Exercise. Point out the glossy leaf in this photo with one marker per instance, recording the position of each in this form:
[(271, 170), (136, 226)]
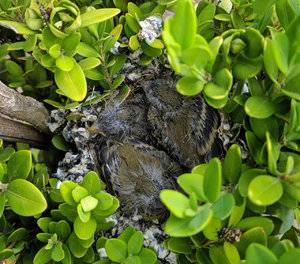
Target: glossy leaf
[(24, 198), (232, 164), (19, 165), (265, 190), (116, 249), (212, 180), (175, 201), (259, 254), (97, 16), (85, 230), (189, 86), (72, 83), (259, 107), (182, 227)]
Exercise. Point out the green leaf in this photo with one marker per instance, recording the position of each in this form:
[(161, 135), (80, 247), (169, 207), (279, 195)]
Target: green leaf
[(291, 256), (70, 44), (260, 254), (57, 253), (223, 206), (17, 235), (85, 230), (237, 214), (116, 250), (55, 51), (133, 260), (132, 23), (135, 243), (42, 257), (189, 86), (114, 35), (6, 253), (217, 255), (254, 221), (84, 216), (133, 43), (245, 179), (287, 11), (17, 27), (280, 47), (212, 180), (19, 165), (291, 88), (88, 203), (254, 235), (97, 16), (179, 245), (183, 227), (265, 190), (175, 201), (147, 256), (192, 183), (231, 253), (256, 148), (67, 259), (43, 223), (89, 63), (261, 126), (292, 127), (62, 229), (65, 63), (24, 198), (269, 60), (246, 68), (105, 199), (91, 182), (281, 247), (66, 189), (259, 107), (59, 142), (273, 149), (220, 87), (183, 25), (86, 50), (72, 83), (232, 164), (2, 203), (6, 153), (212, 230), (79, 193), (75, 246)]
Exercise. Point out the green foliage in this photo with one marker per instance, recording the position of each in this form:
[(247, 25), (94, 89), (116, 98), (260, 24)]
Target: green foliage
[(243, 57), (77, 43), (127, 248), (65, 233), (17, 193)]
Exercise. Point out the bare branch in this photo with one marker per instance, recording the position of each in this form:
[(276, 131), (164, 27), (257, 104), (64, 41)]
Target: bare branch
[(23, 109)]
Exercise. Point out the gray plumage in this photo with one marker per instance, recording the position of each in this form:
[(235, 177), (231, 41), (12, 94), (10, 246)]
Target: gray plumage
[(150, 138)]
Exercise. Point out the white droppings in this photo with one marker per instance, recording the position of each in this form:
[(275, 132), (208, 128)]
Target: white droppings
[(151, 28)]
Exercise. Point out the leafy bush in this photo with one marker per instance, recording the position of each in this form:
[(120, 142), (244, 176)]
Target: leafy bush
[(75, 212), (241, 55), (127, 248)]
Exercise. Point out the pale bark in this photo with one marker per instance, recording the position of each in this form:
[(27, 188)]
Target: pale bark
[(22, 118)]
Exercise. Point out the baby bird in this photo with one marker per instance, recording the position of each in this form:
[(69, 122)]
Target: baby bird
[(147, 140), (186, 127), (137, 174)]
